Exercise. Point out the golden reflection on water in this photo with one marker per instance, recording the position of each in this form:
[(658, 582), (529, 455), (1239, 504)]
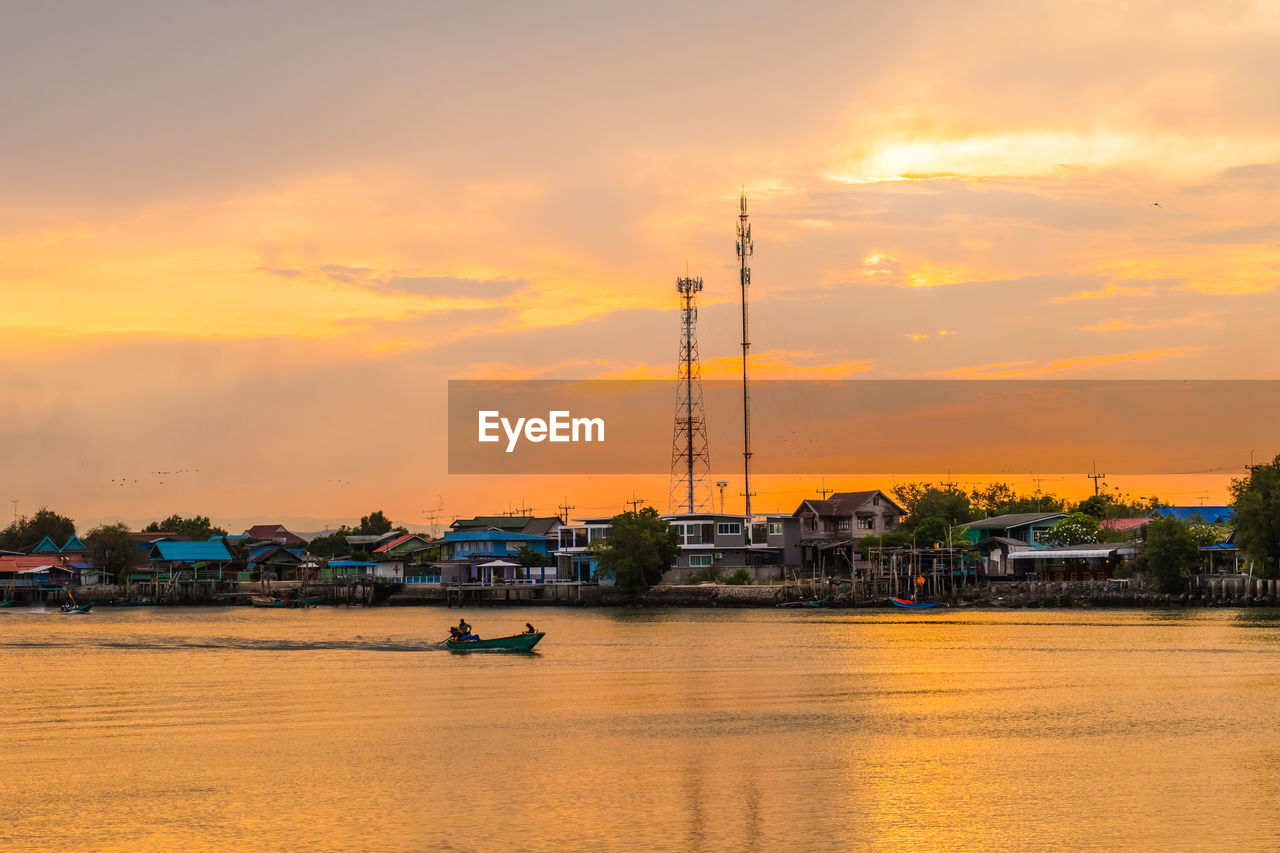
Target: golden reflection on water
[(654, 730)]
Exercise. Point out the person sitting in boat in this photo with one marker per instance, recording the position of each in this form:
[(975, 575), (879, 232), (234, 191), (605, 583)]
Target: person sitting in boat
[(529, 629), (463, 631)]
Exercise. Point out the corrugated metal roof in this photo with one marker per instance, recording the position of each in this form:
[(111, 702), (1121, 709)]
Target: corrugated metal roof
[(185, 552), (1017, 519), (1211, 514), (1073, 552)]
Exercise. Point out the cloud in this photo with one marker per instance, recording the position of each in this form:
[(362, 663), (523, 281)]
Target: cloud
[(446, 287), (1239, 236), (1073, 365)]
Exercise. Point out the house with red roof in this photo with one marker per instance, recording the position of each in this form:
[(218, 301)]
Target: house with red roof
[(274, 533)]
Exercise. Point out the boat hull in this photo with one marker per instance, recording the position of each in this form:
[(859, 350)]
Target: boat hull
[(266, 601), (514, 643), (907, 604), (81, 608)]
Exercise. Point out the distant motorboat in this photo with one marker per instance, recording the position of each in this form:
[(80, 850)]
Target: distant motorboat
[(908, 604)]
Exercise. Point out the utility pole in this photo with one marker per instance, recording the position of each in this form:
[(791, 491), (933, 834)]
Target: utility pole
[(565, 508), (635, 502), (721, 484), (1095, 476), (15, 500), (746, 249), (824, 491)]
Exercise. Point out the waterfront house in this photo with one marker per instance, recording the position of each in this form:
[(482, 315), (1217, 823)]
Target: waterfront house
[(369, 542), (464, 553), (191, 569), (1024, 527), (830, 528), (530, 524), (1224, 556), (783, 533), (277, 533), (1091, 561), (995, 552), (346, 569), (715, 540), (32, 577), (274, 562), (573, 559), (46, 545), (402, 557)]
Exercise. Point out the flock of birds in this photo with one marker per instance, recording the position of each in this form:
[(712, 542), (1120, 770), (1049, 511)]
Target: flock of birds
[(127, 481)]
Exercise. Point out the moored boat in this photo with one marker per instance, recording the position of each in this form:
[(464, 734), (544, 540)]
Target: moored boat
[(516, 642), (908, 604), (269, 601)]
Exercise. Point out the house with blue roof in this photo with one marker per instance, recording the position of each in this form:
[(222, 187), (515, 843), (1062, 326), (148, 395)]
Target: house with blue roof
[(48, 546), (489, 556), (1207, 514), (191, 569)]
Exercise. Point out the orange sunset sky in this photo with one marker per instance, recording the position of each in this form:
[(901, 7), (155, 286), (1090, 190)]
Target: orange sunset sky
[(243, 246)]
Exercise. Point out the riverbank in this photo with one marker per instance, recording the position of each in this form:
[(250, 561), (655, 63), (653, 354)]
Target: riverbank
[(1045, 594), (1214, 592)]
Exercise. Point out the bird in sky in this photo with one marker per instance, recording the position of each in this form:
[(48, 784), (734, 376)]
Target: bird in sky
[(1155, 204)]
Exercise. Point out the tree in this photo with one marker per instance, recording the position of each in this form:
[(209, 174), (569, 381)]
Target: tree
[(112, 549), (29, 532), (331, 545), (1255, 501), (529, 558), (1075, 529), (196, 527), (1170, 553), (376, 523), (640, 548), (1116, 504), (930, 531), (933, 500), (1001, 499)]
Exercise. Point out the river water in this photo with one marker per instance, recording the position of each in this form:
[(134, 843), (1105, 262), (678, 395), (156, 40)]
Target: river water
[(681, 730)]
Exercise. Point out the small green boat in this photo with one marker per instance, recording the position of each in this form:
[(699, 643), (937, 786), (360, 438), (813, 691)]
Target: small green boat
[(79, 608), (8, 602), (516, 642)]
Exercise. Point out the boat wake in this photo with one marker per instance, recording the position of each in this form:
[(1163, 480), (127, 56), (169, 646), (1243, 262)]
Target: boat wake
[(229, 644)]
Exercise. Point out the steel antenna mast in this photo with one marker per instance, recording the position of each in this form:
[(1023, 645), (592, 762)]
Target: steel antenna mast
[(746, 248), (690, 460)]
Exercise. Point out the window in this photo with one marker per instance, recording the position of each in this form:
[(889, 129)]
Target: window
[(775, 528), (690, 534), (699, 561), (843, 525), (729, 528), (865, 522)]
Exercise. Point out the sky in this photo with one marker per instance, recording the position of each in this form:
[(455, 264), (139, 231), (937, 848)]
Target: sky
[(244, 246)]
